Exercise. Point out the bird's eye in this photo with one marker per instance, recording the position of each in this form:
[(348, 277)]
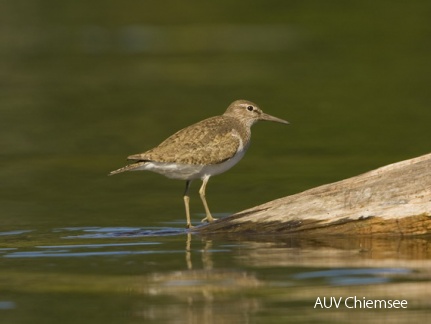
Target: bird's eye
[(250, 108)]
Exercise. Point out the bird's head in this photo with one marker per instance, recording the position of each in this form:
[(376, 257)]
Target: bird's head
[(249, 113)]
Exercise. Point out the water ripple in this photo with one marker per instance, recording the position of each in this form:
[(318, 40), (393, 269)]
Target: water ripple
[(361, 276), (67, 254), (115, 232), (18, 232)]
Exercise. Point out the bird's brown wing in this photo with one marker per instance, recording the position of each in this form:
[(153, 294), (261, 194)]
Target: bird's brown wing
[(210, 141)]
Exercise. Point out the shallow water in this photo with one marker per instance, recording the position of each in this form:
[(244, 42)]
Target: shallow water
[(82, 88), (163, 274)]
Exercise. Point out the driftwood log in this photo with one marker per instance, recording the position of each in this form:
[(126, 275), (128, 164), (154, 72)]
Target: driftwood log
[(395, 199)]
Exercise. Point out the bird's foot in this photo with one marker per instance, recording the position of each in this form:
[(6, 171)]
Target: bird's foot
[(189, 226), (208, 219)]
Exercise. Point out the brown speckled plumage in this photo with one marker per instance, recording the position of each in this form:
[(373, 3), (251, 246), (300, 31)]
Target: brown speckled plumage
[(210, 141)]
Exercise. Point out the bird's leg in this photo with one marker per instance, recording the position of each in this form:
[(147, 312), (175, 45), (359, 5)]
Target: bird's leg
[(186, 204), (208, 217)]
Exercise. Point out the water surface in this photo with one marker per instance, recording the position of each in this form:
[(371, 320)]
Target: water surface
[(85, 84), (163, 274)]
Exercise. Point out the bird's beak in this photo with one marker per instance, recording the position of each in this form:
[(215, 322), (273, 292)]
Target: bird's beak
[(267, 117)]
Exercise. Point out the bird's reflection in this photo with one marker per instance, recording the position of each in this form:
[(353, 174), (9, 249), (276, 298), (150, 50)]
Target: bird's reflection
[(206, 283), (200, 290), (206, 253), (188, 252)]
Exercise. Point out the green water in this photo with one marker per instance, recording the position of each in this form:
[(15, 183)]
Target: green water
[(84, 84)]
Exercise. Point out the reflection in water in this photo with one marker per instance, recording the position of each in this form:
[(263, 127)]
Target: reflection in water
[(203, 292), (202, 296), (122, 232), (365, 276), (127, 75), (14, 232), (206, 254), (7, 305), (188, 253), (215, 279)]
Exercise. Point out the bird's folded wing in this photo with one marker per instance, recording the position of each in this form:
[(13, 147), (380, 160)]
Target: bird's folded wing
[(211, 144)]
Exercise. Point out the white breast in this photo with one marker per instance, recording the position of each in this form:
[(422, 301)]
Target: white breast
[(213, 169), (191, 171)]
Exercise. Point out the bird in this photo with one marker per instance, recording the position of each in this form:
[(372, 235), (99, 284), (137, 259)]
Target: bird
[(202, 150)]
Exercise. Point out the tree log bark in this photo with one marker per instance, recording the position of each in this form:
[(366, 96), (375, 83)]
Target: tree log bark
[(394, 199)]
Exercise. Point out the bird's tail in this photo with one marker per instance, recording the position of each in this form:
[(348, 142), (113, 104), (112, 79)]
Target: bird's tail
[(130, 167)]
